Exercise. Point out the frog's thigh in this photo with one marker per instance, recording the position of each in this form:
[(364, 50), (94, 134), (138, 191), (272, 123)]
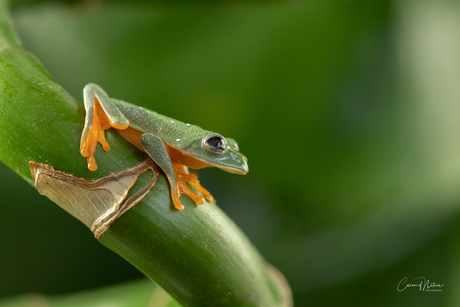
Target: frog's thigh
[(156, 149), (93, 93)]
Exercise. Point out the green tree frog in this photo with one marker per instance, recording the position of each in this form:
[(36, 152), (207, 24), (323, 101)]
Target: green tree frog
[(173, 145)]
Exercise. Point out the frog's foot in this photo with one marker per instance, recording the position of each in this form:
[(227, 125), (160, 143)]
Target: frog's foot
[(96, 122), (182, 178), (192, 178)]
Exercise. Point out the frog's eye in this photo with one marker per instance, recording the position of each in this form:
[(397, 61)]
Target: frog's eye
[(215, 143)]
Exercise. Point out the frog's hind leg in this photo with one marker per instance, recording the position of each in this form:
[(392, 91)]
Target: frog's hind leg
[(101, 114), (157, 150)]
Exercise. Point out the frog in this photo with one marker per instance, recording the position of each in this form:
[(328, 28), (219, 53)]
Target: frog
[(174, 146)]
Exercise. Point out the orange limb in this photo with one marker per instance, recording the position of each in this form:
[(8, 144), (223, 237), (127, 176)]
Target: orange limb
[(183, 176), (100, 123)]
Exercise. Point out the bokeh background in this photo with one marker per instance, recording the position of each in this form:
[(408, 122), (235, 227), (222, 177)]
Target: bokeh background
[(348, 111)]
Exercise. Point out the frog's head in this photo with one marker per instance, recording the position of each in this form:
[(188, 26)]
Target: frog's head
[(220, 152)]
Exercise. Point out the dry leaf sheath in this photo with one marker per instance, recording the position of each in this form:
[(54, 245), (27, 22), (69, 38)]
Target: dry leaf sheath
[(98, 203)]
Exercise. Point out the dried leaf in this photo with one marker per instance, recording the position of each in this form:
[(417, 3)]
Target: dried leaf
[(99, 203)]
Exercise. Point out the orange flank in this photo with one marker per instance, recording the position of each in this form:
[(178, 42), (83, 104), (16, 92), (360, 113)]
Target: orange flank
[(133, 136)]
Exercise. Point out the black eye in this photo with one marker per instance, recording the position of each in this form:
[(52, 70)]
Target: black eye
[(216, 144)]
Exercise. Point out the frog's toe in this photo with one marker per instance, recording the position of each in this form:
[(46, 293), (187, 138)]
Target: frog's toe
[(88, 145), (184, 189), (176, 201)]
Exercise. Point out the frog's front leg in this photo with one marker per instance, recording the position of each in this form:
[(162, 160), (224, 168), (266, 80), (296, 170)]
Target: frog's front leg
[(177, 174), (186, 176), (101, 114)]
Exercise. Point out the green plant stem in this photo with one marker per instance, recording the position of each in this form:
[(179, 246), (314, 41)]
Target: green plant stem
[(198, 252)]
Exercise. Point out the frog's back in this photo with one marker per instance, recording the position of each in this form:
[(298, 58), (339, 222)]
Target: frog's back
[(171, 131)]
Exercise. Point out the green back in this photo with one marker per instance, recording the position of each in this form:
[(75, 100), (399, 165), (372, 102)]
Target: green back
[(172, 131)]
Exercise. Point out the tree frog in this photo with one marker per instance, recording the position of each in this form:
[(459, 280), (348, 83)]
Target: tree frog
[(173, 145)]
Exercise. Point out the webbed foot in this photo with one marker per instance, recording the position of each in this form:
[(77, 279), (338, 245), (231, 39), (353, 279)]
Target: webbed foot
[(183, 176)]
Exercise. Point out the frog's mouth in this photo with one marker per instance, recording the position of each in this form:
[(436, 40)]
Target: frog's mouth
[(235, 170)]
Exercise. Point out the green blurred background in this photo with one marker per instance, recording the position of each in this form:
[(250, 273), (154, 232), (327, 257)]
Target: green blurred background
[(348, 112)]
